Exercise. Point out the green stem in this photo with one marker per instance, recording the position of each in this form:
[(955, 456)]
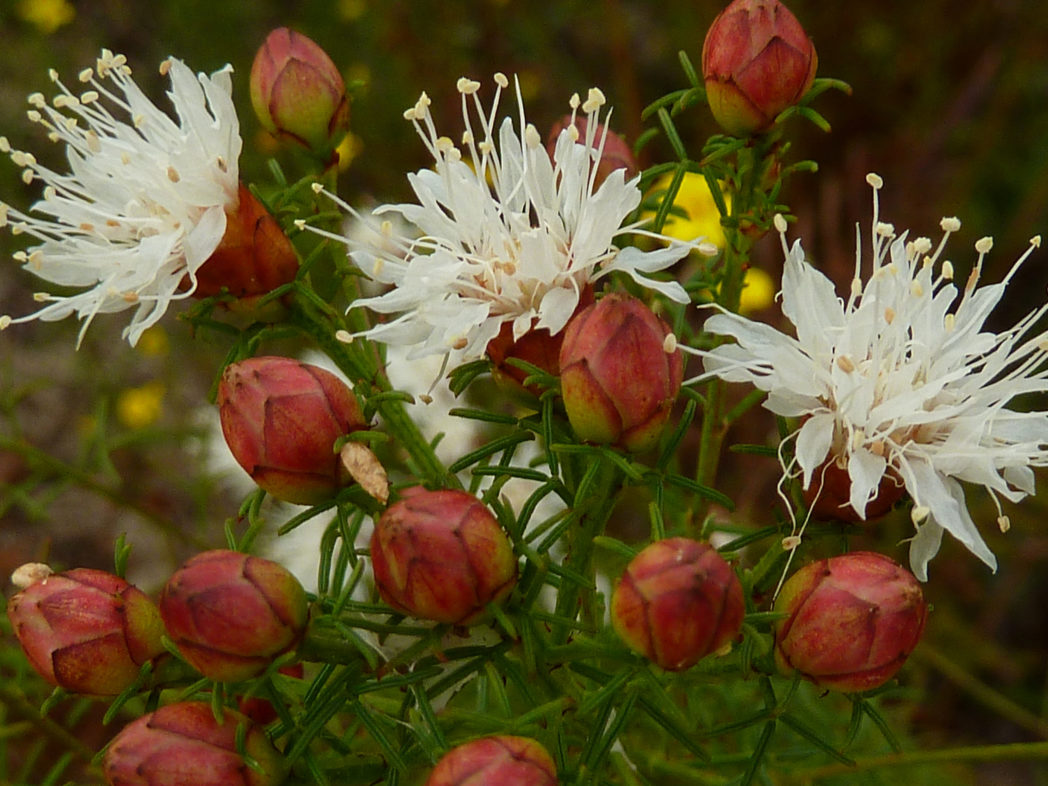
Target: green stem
[(17, 701)]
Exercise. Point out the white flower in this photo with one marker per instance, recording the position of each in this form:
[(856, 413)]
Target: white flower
[(505, 234), (901, 379), (144, 202)]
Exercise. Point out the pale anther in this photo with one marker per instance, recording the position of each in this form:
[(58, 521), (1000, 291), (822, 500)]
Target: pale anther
[(875, 180), (984, 244)]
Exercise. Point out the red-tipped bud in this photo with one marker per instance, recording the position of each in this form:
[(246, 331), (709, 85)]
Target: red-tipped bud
[(253, 258), (677, 602), (184, 744), (281, 418), (853, 620), (441, 555), (85, 630), (616, 153), (502, 760), (756, 61), (298, 93), (231, 614), (620, 372), (829, 495)]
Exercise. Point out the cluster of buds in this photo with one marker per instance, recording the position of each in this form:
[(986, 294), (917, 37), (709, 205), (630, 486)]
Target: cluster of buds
[(504, 760), (84, 630), (184, 743), (441, 555), (231, 614), (851, 621), (281, 419), (621, 371), (756, 62), (677, 602), (298, 93)]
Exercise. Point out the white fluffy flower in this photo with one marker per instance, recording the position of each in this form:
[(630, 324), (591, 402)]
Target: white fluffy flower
[(901, 379), (505, 234), (144, 203)]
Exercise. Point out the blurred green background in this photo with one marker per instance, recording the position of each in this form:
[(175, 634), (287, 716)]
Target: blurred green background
[(950, 106)]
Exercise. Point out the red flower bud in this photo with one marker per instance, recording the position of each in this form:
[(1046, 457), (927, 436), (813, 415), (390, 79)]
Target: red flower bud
[(298, 93), (853, 620), (85, 630), (756, 61), (502, 760), (231, 614), (829, 495), (677, 602), (281, 418), (253, 258), (617, 153), (184, 744), (441, 555), (617, 378)]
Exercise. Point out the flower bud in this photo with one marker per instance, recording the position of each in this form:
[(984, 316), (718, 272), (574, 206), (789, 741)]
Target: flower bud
[(504, 760), (86, 630), (441, 555), (183, 744), (297, 91), (253, 258), (829, 495), (756, 62), (852, 621), (231, 614), (617, 378), (677, 602), (281, 418), (616, 153)]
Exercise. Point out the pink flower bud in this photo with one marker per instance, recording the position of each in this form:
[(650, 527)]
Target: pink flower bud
[(87, 631), (677, 602), (253, 258), (756, 61), (502, 760), (231, 614), (441, 555), (281, 418), (616, 154), (853, 620), (184, 744), (829, 495), (617, 378), (297, 91)]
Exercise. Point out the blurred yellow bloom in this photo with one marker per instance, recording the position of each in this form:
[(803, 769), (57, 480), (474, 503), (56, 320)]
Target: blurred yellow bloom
[(758, 291), (351, 10), (694, 198), (46, 15), (140, 407), (154, 342), (348, 149)]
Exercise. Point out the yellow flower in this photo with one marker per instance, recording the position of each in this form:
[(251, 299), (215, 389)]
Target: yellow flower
[(140, 407), (154, 342), (694, 198), (46, 15), (758, 291)]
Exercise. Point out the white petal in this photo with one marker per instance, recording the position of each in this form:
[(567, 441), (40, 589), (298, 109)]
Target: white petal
[(813, 443)]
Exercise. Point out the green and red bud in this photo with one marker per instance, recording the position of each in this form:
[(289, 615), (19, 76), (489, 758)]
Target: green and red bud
[(756, 62), (620, 373), (852, 621), (298, 93), (231, 614), (281, 419), (829, 495), (183, 743), (503, 760), (253, 258), (441, 555), (616, 152), (86, 631), (677, 602)]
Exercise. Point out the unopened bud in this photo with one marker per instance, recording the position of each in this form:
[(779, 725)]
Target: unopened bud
[(503, 760), (281, 419), (86, 630), (183, 743), (756, 62), (852, 621), (441, 555), (678, 601), (231, 614), (829, 495), (618, 382), (298, 93)]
